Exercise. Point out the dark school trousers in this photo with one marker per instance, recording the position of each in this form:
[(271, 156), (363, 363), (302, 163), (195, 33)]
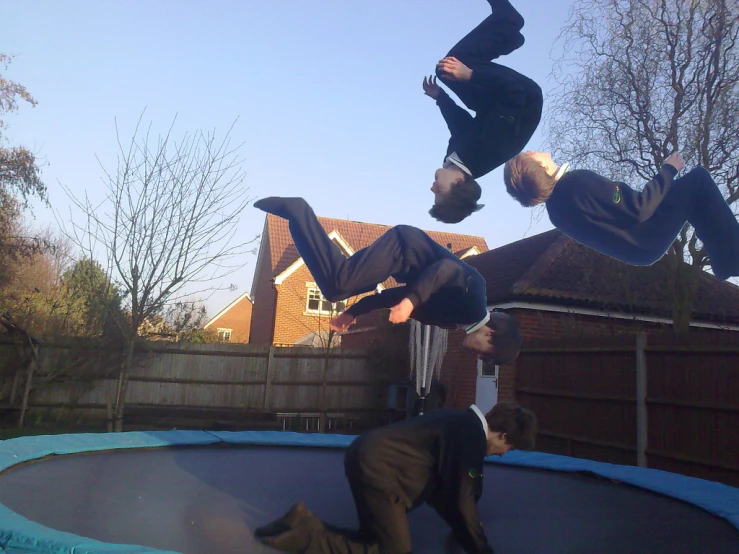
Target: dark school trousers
[(383, 524), (694, 198), (499, 34), (340, 277)]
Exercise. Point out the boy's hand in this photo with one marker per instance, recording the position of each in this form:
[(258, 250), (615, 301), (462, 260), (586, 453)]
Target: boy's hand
[(401, 311), (430, 87), (675, 160), (341, 323), (454, 70)]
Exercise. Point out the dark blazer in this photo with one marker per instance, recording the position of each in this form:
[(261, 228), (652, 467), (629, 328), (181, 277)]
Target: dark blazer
[(445, 291), (436, 458), (609, 216), (499, 132)]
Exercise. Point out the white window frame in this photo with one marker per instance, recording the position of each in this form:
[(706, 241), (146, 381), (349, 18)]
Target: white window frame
[(311, 288), (222, 331)]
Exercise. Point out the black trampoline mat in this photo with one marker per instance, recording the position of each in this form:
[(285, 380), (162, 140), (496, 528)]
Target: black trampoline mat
[(207, 500)]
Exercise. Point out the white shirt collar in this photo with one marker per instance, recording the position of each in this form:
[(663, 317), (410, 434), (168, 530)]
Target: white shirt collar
[(482, 419), (454, 158), (475, 326), (562, 170)]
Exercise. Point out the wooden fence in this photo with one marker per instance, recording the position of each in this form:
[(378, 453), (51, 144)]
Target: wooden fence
[(669, 403), (222, 382)]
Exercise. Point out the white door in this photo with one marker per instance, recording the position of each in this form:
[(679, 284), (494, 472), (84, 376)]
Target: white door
[(486, 391)]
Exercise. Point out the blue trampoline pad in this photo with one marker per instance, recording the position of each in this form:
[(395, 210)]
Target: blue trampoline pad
[(208, 498)]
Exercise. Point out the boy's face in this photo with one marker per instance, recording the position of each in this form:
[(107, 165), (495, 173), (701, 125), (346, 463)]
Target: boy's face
[(480, 342), (497, 445), (544, 158), (444, 180)]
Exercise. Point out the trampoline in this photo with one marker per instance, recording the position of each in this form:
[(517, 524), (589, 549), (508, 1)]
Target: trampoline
[(197, 492)]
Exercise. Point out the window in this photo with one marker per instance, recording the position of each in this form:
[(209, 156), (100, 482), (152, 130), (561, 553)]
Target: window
[(488, 369), (317, 303), (224, 335)]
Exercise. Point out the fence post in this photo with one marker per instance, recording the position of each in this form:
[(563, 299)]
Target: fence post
[(641, 400), (14, 388), (268, 377), (29, 380)]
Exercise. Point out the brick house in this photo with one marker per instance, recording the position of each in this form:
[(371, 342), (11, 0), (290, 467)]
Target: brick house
[(557, 288), (288, 307), (233, 323)]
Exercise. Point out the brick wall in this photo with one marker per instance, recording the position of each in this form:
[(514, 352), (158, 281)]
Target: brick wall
[(292, 322), (263, 296), (459, 372), (238, 319), (557, 325)]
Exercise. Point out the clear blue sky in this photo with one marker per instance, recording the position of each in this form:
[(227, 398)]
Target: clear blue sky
[(328, 96)]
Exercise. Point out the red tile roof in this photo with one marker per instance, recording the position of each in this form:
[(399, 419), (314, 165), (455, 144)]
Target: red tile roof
[(551, 267), (356, 234)]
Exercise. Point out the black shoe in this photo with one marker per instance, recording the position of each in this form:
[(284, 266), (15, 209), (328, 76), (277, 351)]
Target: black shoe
[(279, 206), (296, 540), (505, 10), (291, 519)]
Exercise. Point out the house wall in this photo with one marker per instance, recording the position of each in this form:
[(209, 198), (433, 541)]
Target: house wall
[(238, 319), (292, 321), (459, 372), (264, 296)]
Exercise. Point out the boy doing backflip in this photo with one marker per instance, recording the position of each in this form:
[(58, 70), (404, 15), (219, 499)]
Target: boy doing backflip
[(507, 105), (636, 227), (439, 288)]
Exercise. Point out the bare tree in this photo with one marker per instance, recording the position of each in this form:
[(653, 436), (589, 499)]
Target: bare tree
[(169, 219), (639, 79)]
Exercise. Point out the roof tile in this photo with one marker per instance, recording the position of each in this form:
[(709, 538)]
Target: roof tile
[(555, 268)]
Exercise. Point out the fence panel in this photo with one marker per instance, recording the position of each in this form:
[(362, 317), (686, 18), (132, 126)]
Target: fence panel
[(192, 377), (585, 396)]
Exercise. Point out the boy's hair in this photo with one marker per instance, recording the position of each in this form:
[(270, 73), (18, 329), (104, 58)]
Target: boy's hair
[(460, 203), (518, 423), (507, 338), (527, 180)]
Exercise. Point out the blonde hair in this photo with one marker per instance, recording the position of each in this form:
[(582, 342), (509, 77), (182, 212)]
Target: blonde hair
[(527, 181)]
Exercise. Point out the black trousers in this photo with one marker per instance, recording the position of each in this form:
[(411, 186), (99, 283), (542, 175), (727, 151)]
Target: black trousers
[(694, 198), (499, 34), (340, 277)]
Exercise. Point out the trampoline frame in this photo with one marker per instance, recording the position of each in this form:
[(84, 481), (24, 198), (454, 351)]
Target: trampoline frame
[(18, 534)]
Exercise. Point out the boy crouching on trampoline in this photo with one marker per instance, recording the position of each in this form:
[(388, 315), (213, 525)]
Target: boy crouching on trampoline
[(436, 458)]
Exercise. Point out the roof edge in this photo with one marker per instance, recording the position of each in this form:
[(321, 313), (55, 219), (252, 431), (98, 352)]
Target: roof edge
[(227, 308)]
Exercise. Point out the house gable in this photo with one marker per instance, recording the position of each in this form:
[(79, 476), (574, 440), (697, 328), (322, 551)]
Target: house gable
[(244, 297), (233, 323), (335, 236)]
